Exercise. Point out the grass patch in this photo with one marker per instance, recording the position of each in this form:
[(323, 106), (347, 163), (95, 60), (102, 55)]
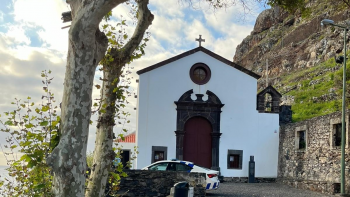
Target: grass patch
[(312, 100)]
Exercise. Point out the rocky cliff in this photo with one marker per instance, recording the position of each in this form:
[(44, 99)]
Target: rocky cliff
[(300, 55)]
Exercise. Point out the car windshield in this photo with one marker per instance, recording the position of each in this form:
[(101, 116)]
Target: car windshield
[(159, 167)]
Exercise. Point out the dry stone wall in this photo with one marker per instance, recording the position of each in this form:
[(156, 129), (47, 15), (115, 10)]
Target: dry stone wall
[(158, 183), (316, 167)]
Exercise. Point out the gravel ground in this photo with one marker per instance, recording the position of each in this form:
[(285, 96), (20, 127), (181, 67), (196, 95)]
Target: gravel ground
[(261, 190)]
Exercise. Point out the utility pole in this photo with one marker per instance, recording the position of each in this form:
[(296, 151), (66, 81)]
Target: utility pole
[(267, 72)]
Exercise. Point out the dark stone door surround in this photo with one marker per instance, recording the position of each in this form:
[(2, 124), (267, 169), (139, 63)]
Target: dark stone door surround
[(209, 109)]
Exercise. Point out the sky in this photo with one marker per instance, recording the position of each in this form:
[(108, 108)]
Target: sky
[(31, 40)]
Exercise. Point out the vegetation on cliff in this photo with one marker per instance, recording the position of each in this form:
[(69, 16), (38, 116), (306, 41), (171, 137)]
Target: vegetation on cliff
[(314, 91), (300, 55)]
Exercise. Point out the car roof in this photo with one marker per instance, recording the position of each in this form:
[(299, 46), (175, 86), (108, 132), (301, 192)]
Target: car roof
[(174, 161), (191, 164)]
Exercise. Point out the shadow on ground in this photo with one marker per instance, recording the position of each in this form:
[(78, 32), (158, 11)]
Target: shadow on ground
[(261, 190)]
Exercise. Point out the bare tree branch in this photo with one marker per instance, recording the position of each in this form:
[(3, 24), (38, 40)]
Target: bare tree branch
[(145, 18)]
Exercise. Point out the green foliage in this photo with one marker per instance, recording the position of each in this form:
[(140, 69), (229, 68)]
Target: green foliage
[(33, 133), (316, 99), (108, 16), (289, 5), (118, 38), (118, 170), (89, 159)]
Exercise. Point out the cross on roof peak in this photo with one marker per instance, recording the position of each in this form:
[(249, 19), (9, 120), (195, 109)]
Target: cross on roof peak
[(200, 40)]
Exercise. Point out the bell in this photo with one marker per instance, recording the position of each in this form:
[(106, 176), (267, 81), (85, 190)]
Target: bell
[(339, 59)]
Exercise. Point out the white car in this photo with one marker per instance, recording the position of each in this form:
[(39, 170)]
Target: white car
[(176, 165)]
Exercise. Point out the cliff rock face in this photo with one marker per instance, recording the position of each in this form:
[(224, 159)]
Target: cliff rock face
[(268, 18), (290, 42)]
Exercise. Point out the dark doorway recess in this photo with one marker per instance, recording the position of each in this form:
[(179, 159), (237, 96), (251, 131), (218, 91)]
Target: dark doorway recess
[(125, 157), (210, 111), (197, 141)]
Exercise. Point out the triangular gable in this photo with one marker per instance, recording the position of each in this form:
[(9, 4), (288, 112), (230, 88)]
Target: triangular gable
[(270, 90), (204, 50)]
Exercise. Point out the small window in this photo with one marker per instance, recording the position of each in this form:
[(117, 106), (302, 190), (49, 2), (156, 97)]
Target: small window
[(183, 167), (301, 139), (234, 159), (335, 137), (200, 73), (159, 153), (158, 156), (337, 134), (159, 166)]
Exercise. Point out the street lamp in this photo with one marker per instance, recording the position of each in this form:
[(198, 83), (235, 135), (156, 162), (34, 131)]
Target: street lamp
[(342, 185)]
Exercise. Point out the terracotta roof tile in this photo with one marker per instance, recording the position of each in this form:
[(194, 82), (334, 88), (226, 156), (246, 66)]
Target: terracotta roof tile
[(128, 139)]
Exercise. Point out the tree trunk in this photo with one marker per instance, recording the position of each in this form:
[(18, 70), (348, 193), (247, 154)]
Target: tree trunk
[(87, 46), (103, 153)]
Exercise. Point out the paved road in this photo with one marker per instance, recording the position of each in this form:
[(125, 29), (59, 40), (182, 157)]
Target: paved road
[(262, 190)]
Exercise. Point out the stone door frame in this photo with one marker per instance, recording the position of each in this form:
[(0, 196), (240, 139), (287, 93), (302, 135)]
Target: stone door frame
[(209, 109)]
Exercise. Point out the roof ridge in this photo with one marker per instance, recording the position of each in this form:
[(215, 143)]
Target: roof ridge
[(195, 50)]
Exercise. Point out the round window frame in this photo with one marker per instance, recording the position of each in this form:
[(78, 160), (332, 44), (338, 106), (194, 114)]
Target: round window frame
[(206, 70)]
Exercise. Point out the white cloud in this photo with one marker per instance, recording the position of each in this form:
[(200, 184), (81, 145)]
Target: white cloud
[(225, 47), (167, 29), (16, 35), (198, 28), (45, 14), (122, 11), (173, 9)]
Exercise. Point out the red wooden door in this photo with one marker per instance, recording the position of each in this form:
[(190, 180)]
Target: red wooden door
[(197, 142)]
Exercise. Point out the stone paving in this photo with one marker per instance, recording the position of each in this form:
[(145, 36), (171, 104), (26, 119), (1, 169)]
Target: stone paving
[(262, 190)]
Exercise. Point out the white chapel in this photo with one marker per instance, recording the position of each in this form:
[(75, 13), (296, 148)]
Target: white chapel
[(201, 107)]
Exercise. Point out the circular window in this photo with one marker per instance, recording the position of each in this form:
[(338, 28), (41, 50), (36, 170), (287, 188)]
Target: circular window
[(200, 73)]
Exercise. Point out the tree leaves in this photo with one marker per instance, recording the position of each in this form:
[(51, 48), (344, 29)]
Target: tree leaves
[(28, 126), (9, 123), (31, 137), (45, 108), (44, 123), (289, 5)]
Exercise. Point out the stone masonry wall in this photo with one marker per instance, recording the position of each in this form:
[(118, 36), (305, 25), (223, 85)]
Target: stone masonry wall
[(158, 183), (245, 180), (317, 167)]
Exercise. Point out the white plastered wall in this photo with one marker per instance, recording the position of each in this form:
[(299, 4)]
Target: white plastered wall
[(130, 147), (242, 127)]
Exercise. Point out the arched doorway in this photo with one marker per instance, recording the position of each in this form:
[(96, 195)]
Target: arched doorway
[(210, 111), (197, 146)]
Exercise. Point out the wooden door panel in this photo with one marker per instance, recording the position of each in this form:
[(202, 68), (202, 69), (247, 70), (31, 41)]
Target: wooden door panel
[(197, 141)]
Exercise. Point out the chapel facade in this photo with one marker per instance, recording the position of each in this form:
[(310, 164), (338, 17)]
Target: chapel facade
[(201, 107)]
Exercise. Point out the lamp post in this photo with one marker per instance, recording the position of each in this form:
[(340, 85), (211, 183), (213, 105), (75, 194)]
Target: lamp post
[(342, 185)]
